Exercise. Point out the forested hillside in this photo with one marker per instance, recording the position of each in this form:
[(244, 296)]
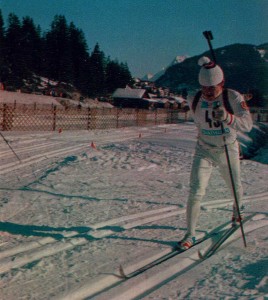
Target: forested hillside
[(60, 54), (245, 68)]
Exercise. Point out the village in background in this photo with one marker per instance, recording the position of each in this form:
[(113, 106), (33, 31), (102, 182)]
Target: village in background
[(143, 94)]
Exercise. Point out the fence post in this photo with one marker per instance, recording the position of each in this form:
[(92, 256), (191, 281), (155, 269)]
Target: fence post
[(8, 114), (4, 116), (54, 117), (117, 117), (88, 118), (186, 116)]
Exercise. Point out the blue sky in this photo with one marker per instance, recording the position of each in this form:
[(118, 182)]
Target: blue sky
[(148, 34)]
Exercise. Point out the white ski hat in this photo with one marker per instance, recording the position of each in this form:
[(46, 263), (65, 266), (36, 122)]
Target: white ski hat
[(210, 73)]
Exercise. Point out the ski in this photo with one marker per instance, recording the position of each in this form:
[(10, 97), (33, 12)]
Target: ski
[(159, 260), (215, 246)]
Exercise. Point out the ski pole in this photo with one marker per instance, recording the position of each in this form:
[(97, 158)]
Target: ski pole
[(233, 185), (6, 141), (209, 37)]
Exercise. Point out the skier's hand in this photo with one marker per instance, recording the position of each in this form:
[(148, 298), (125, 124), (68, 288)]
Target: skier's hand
[(220, 114)]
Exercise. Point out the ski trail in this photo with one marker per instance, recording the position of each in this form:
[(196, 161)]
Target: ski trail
[(223, 202), (38, 158), (145, 283), (8, 154), (133, 216), (49, 246), (46, 251), (33, 158), (41, 248), (176, 269)]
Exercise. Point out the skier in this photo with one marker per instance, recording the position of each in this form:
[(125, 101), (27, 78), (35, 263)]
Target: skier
[(211, 106)]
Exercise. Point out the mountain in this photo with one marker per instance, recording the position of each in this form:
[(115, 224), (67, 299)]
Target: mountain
[(245, 67), (177, 60), (147, 77), (263, 50)]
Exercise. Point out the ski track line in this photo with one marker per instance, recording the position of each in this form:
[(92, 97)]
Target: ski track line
[(37, 158), (31, 245), (126, 290), (258, 223), (133, 216), (143, 218), (18, 143), (224, 202), (52, 246), (47, 251), (9, 154)]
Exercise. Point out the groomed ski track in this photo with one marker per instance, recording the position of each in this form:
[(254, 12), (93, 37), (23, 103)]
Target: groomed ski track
[(33, 251), (51, 148), (14, 258), (145, 283)]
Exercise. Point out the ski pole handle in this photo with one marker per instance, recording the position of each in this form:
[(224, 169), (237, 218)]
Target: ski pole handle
[(208, 35)]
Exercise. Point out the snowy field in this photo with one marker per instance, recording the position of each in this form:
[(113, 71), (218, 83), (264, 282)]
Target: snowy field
[(71, 214)]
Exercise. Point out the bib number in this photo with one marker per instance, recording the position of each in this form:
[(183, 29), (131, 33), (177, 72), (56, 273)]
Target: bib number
[(210, 122)]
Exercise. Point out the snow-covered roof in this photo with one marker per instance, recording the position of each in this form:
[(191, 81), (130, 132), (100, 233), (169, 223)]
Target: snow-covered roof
[(151, 100), (162, 100), (129, 93)]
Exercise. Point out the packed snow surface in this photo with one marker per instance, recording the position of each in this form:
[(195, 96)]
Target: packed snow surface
[(79, 204)]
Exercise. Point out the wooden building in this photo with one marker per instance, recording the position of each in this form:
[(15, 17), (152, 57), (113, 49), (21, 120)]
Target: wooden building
[(131, 98)]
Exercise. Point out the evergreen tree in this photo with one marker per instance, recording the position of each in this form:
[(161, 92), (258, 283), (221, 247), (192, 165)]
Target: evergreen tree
[(2, 37), (14, 54), (80, 58), (112, 71), (57, 51), (97, 72), (4, 70), (31, 45), (125, 75), (117, 76)]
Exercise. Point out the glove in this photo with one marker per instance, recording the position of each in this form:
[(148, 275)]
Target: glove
[(220, 114)]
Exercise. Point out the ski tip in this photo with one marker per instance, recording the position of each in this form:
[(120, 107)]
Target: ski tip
[(200, 255), (122, 274)]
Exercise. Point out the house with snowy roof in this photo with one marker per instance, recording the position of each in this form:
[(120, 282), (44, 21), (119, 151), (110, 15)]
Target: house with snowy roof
[(132, 98)]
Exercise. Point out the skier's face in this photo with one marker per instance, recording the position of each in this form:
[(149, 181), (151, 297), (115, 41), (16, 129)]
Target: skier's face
[(212, 92)]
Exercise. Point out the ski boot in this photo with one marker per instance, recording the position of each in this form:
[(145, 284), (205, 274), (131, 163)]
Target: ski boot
[(186, 243), (235, 217)]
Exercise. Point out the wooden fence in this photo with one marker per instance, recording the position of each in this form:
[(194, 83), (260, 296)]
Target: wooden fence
[(259, 114), (51, 118), (22, 117)]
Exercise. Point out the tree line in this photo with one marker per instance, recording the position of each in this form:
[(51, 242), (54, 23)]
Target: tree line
[(59, 54)]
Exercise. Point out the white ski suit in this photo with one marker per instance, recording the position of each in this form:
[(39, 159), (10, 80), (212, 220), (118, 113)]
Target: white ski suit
[(210, 150)]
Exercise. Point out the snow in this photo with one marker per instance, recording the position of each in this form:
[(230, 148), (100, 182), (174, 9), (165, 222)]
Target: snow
[(71, 214), (39, 100), (23, 98)]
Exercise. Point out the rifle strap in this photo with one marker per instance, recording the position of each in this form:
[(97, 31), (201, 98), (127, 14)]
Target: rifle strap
[(225, 97)]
